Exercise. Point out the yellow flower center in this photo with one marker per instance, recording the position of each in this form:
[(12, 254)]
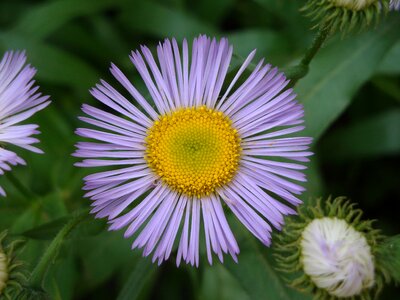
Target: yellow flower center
[(194, 150)]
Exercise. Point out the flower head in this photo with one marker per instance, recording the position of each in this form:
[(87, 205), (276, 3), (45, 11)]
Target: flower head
[(388, 256), (328, 248), (332, 250), (394, 4), (10, 275), (192, 148), (19, 100), (345, 15)]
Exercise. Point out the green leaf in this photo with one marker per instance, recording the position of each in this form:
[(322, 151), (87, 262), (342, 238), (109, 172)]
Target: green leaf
[(218, 284), (46, 231), (339, 71), (54, 65), (255, 272), (62, 277), (388, 257), (315, 182), (286, 17), (390, 64), (375, 136), (50, 229), (142, 272), (39, 210), (268, 44), (161, 21), (104, 255), (388, 85), (211, 10), (28, 218), (110, 36), (44, 19)]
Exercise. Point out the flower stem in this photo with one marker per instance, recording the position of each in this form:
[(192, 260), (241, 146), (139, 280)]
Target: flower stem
[(297, 72), (39, 273), (320, 38)]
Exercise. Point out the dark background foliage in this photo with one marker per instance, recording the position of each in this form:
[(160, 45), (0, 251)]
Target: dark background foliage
[(352, 102)]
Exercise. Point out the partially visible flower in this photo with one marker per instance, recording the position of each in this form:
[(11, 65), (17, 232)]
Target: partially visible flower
[(198, 148), (394, 4), (19, 100), (332, 251), (14, 276), (11, 279), (345, 15)]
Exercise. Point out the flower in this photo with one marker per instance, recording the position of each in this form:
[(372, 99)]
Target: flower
[(19, 100), (328, 246), (332, 251), (3, 271), (192, 148), (345, 15), (11, 276), (394, 4)]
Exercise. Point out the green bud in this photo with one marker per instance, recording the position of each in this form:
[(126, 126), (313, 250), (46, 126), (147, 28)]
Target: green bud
[(12, 276), (345, 15), (329, 251)]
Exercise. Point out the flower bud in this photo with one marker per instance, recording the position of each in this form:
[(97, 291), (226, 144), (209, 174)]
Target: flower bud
[(345, 15), (331, 251), (11, 277), (3, 271)]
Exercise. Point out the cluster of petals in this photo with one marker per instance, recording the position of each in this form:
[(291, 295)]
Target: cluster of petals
[(19, 100), (131, 195), (394, 4), (328, 246)]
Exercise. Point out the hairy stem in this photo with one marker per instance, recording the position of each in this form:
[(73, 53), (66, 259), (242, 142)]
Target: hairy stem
[(297, 72), (39, 273)]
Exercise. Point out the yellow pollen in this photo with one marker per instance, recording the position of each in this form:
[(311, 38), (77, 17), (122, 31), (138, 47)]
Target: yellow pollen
[(193, 150)]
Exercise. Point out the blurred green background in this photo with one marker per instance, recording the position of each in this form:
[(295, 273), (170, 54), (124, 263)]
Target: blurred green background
[(352, 103)]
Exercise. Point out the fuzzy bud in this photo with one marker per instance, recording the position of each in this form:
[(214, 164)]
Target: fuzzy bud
[(330, 251), (12, 276), (333, 250), (3, 271), (345, 15)]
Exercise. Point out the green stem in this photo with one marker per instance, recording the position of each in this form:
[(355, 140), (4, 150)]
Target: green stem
[(297, 72), (320, 38), (28, 195), (39, 273)]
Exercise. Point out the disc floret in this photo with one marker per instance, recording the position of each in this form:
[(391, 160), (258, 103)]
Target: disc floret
[(194, 150)]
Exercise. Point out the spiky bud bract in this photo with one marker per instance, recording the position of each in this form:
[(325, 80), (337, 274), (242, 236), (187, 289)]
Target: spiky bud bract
[(12, 276), (345, 15), (329, 251)]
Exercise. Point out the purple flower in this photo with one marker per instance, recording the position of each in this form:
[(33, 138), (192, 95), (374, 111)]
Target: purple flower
[(19, 100), (197, 145), (394, 4)]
